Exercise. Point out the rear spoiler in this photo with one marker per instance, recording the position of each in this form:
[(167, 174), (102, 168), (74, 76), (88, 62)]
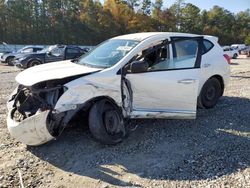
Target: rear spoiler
[(212, 38)]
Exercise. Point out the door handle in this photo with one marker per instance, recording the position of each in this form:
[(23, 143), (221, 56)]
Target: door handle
[(186, 81)]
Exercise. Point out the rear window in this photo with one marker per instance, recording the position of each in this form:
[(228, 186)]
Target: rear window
[(207, 45)]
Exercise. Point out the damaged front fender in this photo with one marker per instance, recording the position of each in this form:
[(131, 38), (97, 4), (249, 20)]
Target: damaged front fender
[(80, 94)]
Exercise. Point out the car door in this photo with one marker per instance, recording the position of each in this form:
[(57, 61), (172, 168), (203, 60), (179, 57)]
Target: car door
[(56, 54), (72, 53), (169, 87)]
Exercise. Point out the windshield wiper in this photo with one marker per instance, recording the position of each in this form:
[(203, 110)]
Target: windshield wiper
[(77, 61)]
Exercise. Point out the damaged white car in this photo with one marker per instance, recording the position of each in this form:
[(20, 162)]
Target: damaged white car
[(143, 75)]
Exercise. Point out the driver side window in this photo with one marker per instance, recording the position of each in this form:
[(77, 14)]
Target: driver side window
[(158, 58), (57, 51)]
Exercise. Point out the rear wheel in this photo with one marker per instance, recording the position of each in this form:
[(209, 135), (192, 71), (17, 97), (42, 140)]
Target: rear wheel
[(106, 122), (33, 63), (210, 93), (235, 56)]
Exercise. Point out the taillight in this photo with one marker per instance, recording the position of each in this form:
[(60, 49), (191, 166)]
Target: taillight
[(227, 58)]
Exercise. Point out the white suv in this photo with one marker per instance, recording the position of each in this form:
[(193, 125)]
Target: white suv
[(142, 75), (231, 52)]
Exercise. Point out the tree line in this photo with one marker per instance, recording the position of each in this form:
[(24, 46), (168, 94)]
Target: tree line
[(89, 22)]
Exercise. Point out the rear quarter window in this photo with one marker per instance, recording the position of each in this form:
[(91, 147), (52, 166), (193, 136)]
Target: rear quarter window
[(207, 46)]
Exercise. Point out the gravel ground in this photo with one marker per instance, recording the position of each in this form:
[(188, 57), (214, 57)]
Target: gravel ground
[(211, 151)]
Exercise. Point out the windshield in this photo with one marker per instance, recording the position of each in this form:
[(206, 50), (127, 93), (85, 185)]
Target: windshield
[(108, 53), (20, 50), (46, 49)]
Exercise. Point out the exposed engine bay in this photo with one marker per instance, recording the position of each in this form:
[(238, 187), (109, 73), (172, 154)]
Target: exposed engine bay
[(30, 101), (41, 97)]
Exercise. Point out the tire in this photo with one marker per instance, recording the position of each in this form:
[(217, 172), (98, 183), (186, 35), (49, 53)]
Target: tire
[(9, 61), (33, 63), (210, 93), (106, 123), (235, 56)]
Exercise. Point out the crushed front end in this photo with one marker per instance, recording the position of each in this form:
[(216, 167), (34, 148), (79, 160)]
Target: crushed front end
[(31, 117)]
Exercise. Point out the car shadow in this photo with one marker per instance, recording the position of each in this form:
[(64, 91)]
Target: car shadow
[(234, 63), (240, 77), (217, 143)]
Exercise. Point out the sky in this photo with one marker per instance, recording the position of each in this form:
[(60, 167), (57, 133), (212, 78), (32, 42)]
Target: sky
[(234, 6)]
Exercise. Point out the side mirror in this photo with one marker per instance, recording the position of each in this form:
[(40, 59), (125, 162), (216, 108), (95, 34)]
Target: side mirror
[(49, 53), (139, 66)]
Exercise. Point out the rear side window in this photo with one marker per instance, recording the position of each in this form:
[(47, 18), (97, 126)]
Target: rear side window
[(207, 45), (72, 51), (185, 48), (184, 54), (36, 49)]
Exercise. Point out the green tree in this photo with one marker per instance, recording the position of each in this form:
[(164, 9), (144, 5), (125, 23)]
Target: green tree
[(89, 22), (242, 25), (121, 14), (176, 10), (168, 20), (146, 7), (133, 4), (190, 19), (157, 6), (221, 21), (247, 39)]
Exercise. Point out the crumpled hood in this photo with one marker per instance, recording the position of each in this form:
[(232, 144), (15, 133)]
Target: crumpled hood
[(5, 55), (52, 71)]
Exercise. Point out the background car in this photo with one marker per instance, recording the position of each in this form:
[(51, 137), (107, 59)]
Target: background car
[(238, 47), (9, 57), (5, 48), (246, 51), (231, 52), (49, 54)]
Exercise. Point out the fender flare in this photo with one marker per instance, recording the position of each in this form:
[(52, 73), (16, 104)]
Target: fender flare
[(32, 59)]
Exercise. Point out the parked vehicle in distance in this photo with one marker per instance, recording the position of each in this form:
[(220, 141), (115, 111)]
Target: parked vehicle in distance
[(141, 75), (231, 52), (238, 47), (246, 51), (5, 49), (49, 54), (9, 57)]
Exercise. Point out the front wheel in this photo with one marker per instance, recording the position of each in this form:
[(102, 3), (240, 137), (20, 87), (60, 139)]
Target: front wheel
[(106, 122), (33, 63), (210, 93), (9, 61)]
